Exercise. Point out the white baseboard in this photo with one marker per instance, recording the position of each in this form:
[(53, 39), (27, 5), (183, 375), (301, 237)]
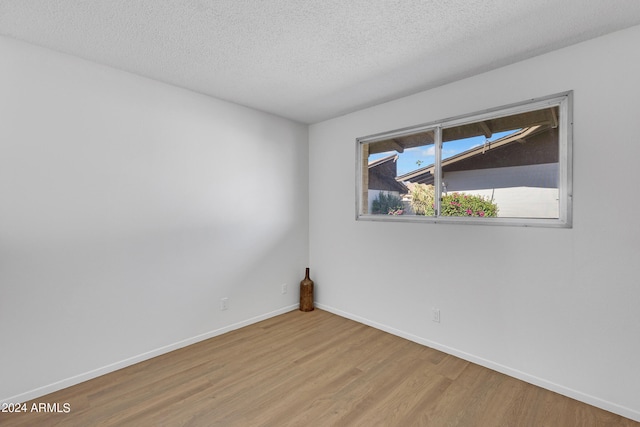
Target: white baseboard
[(77, 379), (531, 379)]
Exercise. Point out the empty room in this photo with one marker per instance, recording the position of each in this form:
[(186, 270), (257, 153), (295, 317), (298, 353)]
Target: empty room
[(298, 213)]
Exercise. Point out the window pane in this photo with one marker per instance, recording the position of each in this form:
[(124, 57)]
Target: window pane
[(386, 164), (504, 167)]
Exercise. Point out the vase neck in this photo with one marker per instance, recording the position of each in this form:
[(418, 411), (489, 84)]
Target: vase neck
[(306, 274)]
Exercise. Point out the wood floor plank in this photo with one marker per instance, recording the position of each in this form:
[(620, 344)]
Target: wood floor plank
[(311, 369)]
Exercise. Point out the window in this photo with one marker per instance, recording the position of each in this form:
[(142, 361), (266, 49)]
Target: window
[(506, 166)]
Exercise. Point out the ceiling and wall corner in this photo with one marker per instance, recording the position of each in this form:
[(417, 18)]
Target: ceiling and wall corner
[(310, 61)]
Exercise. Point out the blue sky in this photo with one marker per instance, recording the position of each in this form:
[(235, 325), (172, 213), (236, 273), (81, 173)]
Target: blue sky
[(408, 161)]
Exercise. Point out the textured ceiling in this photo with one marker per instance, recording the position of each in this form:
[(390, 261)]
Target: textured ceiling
[(310, 60)]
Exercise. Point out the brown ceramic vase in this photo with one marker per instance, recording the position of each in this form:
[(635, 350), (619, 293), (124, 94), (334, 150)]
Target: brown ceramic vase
[(306, 293)]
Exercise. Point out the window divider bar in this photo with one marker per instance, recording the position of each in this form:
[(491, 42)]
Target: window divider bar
[(437, 179)]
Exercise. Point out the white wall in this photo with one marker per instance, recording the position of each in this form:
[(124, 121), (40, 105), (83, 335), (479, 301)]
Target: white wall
[(128, 208), (527, 191), (556, 307)]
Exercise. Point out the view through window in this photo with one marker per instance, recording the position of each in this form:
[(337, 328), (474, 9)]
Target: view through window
[(506, 166)]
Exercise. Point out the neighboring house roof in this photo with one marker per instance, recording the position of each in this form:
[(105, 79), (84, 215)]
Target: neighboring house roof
[(382, 175), (518, 154), (378, 162), (402, 141)]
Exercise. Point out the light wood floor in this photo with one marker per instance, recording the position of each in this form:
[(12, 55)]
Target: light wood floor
[(311, 369)]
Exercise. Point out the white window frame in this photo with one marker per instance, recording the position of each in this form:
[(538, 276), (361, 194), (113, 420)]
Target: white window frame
[(564, 101)]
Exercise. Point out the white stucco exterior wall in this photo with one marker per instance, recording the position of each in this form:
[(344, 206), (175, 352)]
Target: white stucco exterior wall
[(529, 191)]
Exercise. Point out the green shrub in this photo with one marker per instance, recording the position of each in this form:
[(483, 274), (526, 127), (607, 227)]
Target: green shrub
[(387, 204), (453, 204), (459, 204)]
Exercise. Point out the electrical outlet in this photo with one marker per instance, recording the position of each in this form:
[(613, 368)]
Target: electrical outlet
[(224, 303), (435, 315), (284, 288)]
